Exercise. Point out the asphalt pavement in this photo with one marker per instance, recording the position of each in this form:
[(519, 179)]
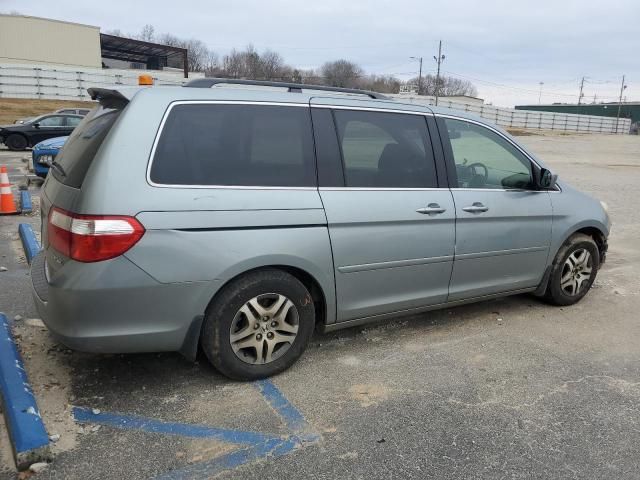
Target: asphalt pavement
[(510, 388)]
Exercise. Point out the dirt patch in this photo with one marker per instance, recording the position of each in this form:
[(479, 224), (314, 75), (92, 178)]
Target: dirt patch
[(11, 109), (369, 394), (50, 381)]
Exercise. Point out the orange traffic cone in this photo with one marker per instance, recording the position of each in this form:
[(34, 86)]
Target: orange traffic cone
[(7, 203)]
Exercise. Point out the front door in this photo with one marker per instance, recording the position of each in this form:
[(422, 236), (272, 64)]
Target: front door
[(391, 227), (50, 127), (503, 226)]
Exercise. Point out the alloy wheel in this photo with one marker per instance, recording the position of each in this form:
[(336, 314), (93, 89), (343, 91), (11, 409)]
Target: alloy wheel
[(264, 328)]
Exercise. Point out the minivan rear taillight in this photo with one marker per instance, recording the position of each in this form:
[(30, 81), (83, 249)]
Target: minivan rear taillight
[(92, 238)]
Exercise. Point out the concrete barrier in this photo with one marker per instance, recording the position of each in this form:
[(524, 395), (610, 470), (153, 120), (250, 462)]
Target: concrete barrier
[(28, 436)]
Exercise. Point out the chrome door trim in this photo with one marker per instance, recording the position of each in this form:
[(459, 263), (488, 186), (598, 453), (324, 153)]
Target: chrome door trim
[(394, 264)]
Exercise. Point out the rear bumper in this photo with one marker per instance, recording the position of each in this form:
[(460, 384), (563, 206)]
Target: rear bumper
[(114, 307)]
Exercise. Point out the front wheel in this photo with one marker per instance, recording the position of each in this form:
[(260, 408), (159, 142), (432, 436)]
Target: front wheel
[(573, 271), (258, 325)]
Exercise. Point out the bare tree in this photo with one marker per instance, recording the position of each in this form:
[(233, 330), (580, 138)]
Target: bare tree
[(148, 33), (448, 86), (341, 73)]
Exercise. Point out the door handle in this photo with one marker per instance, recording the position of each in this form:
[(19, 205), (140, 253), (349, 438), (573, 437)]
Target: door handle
[(431, 209), (477, 207)]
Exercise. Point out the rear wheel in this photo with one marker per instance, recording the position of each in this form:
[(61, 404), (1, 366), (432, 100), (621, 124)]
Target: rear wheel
[(16, 142), (258, 325), (574, 270)]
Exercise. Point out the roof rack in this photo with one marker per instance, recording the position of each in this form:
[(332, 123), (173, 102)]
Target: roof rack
[(292, 87)]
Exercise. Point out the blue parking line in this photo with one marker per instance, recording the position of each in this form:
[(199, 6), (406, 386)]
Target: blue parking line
[(25, 202), (272, 448), (29, 439), (254, 445), (131, 422), (29, 241), (291, 416)]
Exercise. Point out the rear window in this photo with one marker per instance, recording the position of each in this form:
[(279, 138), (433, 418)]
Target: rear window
[(235, 145), (83, 144)]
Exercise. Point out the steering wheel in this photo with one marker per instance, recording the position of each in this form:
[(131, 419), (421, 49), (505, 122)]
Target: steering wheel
[(477, 179)]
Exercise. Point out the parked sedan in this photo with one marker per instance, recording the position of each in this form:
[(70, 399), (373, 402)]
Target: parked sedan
[(44, 153), (21, 136)]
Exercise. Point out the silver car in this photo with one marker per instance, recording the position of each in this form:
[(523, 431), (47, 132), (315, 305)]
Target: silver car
[(239, 219)]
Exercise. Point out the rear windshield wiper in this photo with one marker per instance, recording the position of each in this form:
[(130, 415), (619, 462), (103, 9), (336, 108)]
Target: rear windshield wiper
[(58, 168)]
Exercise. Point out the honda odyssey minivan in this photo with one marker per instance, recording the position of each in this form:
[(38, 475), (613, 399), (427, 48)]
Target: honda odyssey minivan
[(237, 220)]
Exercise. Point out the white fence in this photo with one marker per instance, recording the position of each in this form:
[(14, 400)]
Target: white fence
[(509, 117), (65, 83)]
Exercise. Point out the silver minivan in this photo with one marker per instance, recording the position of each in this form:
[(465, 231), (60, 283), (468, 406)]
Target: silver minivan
[(236, 219)]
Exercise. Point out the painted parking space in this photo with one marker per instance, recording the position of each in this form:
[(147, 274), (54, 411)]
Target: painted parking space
[(251, 445)]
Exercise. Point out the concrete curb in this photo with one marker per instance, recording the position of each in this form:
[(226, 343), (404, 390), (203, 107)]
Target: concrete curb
[(29, 241), (25, 202), (28, 436)]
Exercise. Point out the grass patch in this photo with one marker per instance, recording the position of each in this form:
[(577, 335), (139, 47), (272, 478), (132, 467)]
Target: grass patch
[(11, 109)]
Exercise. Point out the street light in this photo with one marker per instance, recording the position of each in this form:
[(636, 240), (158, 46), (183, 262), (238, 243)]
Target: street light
[(540, 96)]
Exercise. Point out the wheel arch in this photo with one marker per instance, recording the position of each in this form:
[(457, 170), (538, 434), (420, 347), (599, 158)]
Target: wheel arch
[(322, 303), (597, 232)]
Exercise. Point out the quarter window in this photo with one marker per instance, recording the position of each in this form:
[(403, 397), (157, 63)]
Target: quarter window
[(73, 121), (484, 159), (385, 150), (243, 145)]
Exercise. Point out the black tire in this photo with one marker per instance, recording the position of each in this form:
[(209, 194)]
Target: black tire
[(219, 317), (556, 294), (16, 142)]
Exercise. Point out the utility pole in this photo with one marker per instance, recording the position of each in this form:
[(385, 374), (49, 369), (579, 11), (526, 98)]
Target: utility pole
[(581, 95), (438, 59), (622, 87), (419, 75), (540, 96)]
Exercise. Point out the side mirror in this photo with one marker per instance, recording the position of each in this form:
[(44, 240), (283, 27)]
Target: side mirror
[(36, 125), (547, 179)]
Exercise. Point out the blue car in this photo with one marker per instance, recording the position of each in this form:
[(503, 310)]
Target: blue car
[(44, 153)]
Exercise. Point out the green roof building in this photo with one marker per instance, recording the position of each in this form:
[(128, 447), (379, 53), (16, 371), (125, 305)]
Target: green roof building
[(628, 110)]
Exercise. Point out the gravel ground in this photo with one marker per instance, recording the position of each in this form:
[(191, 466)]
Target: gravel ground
[(510, 388)]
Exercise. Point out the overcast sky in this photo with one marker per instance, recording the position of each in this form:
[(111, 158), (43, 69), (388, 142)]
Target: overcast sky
[(506, 48)]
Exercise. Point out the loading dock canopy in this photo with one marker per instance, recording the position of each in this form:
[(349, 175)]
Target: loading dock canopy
[(153, 55)]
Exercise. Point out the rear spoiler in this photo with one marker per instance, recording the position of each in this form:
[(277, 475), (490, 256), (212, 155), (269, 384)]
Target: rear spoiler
[(110, 98)]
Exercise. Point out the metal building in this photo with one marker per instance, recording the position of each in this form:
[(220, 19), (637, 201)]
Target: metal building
[(37, 40), (43, 42)]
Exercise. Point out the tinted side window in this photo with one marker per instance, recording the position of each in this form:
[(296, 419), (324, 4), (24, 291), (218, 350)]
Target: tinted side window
[(385, 150), (83, 144), (73, 121), (244, 145), (486, 160), (55, 121)]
